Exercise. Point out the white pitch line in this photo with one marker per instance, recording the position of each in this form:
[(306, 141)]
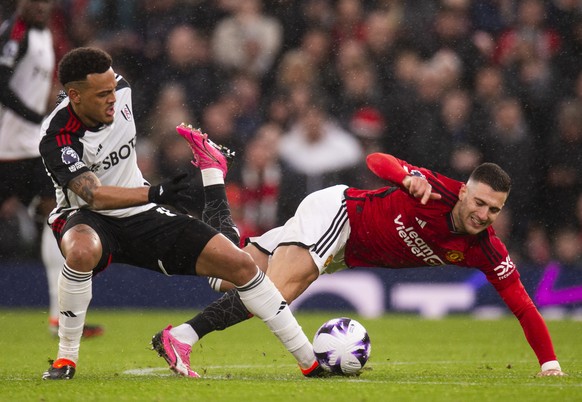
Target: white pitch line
[(154, 371)]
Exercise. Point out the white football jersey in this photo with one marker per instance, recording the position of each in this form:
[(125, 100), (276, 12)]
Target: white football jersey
[(29, 53), (68, 148)]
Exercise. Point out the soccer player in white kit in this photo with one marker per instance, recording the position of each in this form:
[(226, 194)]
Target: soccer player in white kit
[(107, 212)]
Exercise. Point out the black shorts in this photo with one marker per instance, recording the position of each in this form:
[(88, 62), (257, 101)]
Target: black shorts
[(157, 239), (25, 179)]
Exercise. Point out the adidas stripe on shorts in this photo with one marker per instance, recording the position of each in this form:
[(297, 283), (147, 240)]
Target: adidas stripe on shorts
[(320, 225)]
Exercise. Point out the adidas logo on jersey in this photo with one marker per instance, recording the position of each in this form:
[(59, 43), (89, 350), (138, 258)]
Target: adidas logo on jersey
[(420, 222)]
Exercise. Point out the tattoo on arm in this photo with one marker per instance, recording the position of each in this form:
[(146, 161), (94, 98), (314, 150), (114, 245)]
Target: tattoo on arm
[(84, 186)]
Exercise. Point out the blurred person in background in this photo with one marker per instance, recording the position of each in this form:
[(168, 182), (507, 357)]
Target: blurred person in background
[(248, 40), (489, 89), (349, 23), (260, 180), (569, 60), (509, 134), (568, 246), (370, 127), (185, 61), (425, 138), (315, 152), (358, 82), (452, 32), (563, 180), (528, 34), (458, 134), (27, 64)]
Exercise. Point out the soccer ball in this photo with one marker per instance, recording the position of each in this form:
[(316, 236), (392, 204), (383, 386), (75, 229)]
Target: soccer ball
[(342, 346)]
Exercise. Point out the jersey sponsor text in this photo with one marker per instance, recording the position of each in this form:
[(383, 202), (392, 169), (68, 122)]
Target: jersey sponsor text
[(416, 244)]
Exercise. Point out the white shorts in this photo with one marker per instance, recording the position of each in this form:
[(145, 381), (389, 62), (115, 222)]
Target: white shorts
[(320, 225)]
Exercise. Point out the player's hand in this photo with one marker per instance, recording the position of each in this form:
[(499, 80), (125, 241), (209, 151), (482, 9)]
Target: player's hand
[(551, 373), (419, 187), (172, 192)]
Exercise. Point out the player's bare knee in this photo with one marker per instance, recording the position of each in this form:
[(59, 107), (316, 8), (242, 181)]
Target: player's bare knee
[(82, 259), (240, 269), (82, 248), (245, 270)]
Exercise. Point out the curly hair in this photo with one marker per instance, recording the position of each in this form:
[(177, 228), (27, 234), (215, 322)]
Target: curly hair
[(82, 61)]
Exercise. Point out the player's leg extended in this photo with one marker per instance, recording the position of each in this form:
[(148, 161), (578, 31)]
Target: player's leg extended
[(82, 249), (258, 293)]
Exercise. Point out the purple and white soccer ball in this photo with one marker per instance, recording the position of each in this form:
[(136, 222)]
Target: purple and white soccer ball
[(342, 346)]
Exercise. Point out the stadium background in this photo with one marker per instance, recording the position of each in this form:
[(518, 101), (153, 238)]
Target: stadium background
[(441, 83)]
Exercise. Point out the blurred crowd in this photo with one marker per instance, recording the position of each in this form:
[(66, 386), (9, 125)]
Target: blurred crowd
[(302, 90)]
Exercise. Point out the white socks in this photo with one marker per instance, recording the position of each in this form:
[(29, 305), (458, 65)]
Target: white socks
[(262, 298), (53, 263), (75, 292), (185, 333)]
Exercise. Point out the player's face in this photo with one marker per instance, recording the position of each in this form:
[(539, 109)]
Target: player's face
[(36, 12), (94, 100), (478, 207)]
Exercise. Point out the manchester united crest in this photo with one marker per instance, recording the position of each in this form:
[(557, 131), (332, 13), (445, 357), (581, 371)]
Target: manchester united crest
[(454, 256)]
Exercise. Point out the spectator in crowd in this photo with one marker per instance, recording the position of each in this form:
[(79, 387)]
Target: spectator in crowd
[(349, 22), (370, 127), (569, 59), (451, 32), (309, 155), (381, 41), (528, 34), (563, 181), (508, 135), (186, 62), (537, 246), (424, 141), (260, 181), (458, 134), (568, 246), (247, 41), (359, 88), (244, 92), (401, 103), (488, 90)]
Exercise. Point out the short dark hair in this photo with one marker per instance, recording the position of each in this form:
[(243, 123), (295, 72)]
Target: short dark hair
[(82, 61), (492, 175)]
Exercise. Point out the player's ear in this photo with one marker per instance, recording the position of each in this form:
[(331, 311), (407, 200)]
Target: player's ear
[(462, 192), (74, 94)]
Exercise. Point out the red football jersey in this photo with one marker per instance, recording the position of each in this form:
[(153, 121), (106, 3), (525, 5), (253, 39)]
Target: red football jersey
[(391, 228)]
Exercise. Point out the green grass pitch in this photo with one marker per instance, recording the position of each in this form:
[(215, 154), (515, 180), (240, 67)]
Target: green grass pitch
[(454, 359)]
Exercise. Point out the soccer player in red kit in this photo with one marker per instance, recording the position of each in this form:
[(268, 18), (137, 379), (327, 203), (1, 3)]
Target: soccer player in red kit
[(427, 219)]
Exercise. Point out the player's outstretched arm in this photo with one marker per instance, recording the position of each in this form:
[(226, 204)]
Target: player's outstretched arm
[(534, 328)]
